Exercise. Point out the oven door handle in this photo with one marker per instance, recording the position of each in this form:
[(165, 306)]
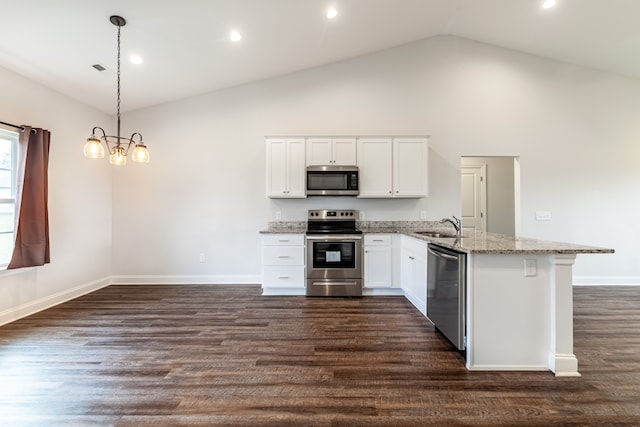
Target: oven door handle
[(335, 237)]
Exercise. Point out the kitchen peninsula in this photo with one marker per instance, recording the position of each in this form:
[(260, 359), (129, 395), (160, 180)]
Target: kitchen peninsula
[(519, 296)]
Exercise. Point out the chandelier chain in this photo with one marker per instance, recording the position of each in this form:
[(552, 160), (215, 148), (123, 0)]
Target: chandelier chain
[(118, 108)]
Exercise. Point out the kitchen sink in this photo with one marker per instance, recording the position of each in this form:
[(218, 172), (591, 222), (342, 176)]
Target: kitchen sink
[(435, 234)]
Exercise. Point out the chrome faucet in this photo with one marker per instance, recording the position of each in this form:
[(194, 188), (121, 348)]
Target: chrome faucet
[(457, 224)]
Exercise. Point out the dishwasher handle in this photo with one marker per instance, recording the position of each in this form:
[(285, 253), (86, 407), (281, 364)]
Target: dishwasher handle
[(436, 252)]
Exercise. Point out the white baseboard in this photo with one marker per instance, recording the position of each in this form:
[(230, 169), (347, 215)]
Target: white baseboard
[(507, 368), (606, 280), (382, 292), (247, 279), (35, 306), (301, 291), (283, 291)]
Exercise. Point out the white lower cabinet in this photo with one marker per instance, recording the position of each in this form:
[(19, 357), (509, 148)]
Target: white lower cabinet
[(283, 262), (377, 261), (413, 272)]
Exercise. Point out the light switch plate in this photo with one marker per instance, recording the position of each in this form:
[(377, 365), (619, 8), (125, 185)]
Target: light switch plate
[(278, 215), (361, 215), (423, 215)]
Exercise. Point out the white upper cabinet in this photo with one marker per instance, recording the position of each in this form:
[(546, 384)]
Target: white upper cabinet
[(286, 168), (410, 167), (331, 151), (374, 165), (389, 166), (393, 167)]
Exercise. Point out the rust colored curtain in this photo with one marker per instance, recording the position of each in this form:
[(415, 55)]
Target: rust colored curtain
[(32, 212)]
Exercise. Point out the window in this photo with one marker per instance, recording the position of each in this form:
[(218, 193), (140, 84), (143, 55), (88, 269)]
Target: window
[(8, 148)]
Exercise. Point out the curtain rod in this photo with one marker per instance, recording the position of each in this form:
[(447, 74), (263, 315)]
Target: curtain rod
[(13, 126), (22, 129)]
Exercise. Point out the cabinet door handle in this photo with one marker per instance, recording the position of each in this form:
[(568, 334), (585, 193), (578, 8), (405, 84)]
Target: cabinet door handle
[(377, 240), (411, 258), (390, 192), (283, 240), (283, 277), (283, 256)]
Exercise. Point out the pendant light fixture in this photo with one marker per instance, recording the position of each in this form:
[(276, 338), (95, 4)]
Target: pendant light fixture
[(117, 145)]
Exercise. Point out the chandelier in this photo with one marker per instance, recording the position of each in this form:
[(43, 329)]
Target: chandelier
[(118, 146)]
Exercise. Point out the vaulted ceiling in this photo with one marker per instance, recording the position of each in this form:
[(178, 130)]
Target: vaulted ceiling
[(186, 48)]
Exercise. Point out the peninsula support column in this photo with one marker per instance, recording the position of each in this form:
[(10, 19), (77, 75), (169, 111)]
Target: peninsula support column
[(562, 361)]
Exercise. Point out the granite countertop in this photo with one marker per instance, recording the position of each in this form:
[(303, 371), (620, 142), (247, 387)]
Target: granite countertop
[(492, 243), (473, 243)]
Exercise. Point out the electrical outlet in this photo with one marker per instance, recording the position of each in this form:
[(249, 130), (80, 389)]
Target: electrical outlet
[(530, 268), (361, 215), (423, 215), (278, 215), (202, 259)]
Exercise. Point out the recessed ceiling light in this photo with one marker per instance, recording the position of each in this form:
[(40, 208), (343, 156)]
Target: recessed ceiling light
[(235, 36), (332, 12), (135, 59), (548, 4)]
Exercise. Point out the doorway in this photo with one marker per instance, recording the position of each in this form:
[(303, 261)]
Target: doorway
[(490, 194)]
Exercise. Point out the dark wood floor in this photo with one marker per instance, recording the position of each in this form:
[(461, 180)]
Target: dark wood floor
[(221, 355)]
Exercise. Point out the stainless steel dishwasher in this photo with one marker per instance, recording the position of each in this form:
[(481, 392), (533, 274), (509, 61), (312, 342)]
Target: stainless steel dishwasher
[(446, 291)]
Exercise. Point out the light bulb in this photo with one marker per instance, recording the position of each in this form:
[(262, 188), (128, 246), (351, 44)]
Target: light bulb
[(235, 36), (332, 13), (140, 154), (93, 149), (117, 156)]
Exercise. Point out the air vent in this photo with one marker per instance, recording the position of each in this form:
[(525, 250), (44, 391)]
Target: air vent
[(98, 67)]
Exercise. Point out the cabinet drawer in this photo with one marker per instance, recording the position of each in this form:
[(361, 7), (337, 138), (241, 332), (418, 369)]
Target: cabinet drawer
[(377, 239), (283, 239), (283, 277), (283, 255)]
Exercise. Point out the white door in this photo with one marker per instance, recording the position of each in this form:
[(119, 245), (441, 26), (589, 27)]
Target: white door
[(474, 205)]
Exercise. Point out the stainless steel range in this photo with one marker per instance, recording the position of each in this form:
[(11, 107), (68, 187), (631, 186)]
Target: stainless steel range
[(334, 253)]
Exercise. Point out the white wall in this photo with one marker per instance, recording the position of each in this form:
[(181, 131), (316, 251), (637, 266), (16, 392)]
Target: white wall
[(79, 201), (576, 132)]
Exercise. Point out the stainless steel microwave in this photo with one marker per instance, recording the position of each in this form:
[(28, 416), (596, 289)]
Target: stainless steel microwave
[(332, 180)]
